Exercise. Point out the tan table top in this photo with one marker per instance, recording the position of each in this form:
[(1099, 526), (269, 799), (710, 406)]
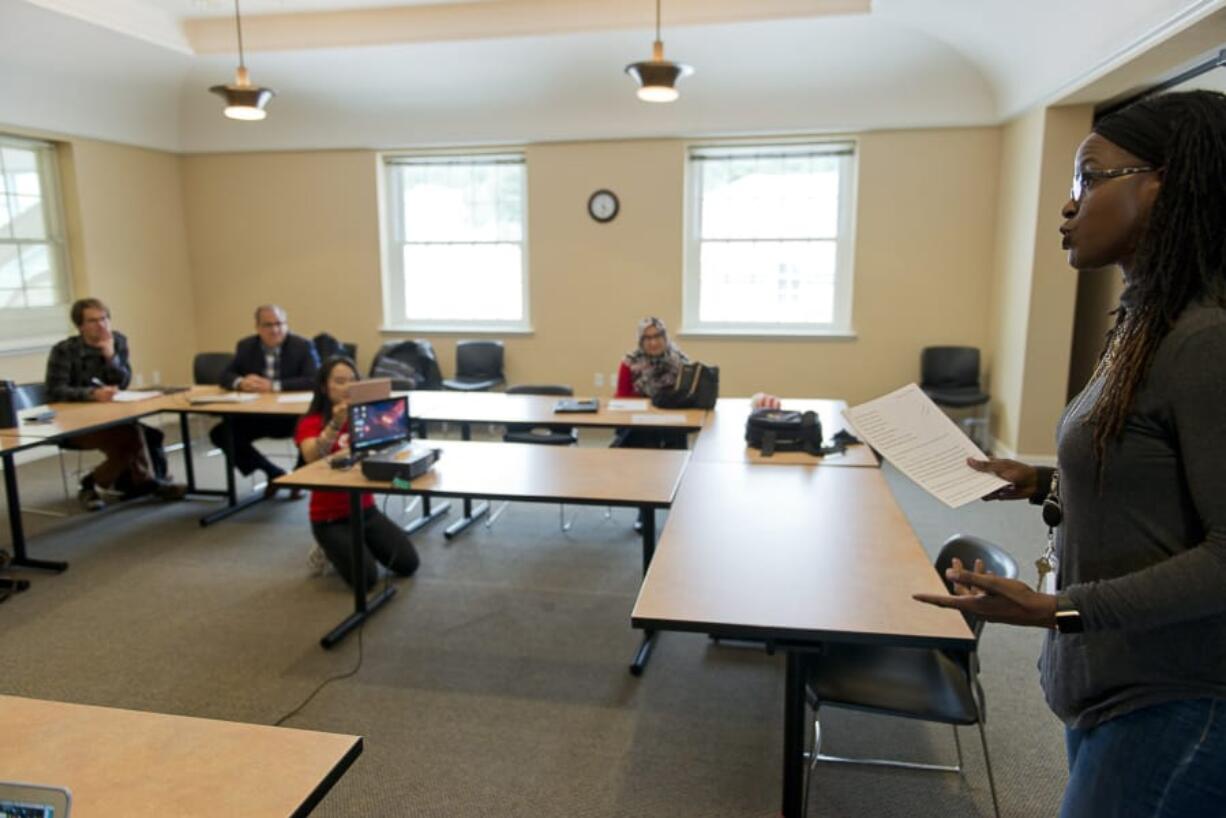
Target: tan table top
[(464, 407), (11, 442), (804, 554), (123, 762), (723, 438), (525, 472), (71, 418)]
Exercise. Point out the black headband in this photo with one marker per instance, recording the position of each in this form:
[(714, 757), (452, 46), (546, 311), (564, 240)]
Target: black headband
[(1142, 129)]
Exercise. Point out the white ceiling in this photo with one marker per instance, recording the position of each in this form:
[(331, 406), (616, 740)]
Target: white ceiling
[(126, 70)]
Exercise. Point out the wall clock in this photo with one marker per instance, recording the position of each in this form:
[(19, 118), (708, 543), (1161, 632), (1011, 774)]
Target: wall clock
[(603, 206)]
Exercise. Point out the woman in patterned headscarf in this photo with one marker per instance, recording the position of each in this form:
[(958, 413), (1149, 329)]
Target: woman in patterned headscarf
[(654, 366)]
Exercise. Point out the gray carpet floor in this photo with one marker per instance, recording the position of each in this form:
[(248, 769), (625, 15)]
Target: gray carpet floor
[(495, 683)]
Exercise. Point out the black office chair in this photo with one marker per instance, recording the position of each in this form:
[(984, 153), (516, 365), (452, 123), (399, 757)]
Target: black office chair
[(548, 435), (327, 346), (27, 396), (410, 365), (478, 366), (918, 683), (950, 376), (208, 367)]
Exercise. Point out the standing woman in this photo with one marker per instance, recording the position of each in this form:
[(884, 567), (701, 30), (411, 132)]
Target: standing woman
[(324, 430), (654, 366), (1134, 661)]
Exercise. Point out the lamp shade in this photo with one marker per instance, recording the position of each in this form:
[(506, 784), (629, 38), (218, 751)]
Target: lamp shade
[(657, 79), (244, 101)]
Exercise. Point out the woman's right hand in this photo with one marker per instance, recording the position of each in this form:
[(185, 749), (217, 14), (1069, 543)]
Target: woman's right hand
[(340, 414), (1023, 478)]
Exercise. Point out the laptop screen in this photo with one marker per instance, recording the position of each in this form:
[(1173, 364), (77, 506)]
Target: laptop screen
[(378, 423)]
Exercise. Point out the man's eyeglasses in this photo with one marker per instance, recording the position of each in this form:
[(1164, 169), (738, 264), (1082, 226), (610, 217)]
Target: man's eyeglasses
[(271, 324), (1083, 180)]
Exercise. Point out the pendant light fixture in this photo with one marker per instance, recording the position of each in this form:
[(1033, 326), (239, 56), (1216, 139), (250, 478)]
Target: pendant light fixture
[(243, 100), (657, 77)]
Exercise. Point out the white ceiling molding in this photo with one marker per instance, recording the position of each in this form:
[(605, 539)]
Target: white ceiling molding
[(136, 18), (486, 20)]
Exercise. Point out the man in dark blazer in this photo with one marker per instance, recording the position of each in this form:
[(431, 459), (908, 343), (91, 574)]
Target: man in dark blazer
[(272, 360)]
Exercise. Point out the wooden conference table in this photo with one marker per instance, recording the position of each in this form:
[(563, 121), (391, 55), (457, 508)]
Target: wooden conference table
[(645, 479), (120, 763), (798, 557)]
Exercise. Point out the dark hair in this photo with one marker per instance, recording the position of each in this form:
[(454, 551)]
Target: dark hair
[(321, 403), (81, 305), (1181, 256)]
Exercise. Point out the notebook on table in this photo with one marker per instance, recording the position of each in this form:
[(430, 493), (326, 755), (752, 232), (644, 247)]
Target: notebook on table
[(33, 801), (224, 397)]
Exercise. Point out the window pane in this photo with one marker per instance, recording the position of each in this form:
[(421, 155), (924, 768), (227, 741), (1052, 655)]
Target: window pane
[(6, 229), (39, 297), (10, 267), (27, 213), (21, 168), (36, 266), (11, 299), (790, 197), (462, 202), (463, 282), (767, 282)]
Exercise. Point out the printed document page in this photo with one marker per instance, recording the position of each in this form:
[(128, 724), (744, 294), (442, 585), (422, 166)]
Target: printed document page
[(624, 405), (923, 443), (132, 396), (294, 397)]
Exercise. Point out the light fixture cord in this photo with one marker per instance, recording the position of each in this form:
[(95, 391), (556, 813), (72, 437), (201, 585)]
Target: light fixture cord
[(657, 18), (238, 24)]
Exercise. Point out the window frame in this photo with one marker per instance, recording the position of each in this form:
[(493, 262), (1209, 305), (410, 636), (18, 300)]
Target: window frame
[(840, 327), (28, 329), (391, 221)]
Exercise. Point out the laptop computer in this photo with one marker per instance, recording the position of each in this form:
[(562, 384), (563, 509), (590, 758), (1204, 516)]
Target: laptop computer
[(33, 801), (378, 426)]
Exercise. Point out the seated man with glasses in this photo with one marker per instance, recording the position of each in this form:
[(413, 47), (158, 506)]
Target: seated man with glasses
[(93, 365), (272, 360)]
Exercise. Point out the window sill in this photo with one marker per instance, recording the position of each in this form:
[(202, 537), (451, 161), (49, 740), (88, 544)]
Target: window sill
[(28, 346), (769, 334), (443, 328)]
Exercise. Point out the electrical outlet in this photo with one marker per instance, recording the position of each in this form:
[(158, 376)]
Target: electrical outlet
[(599, 379), (157, 377), (138, 380)]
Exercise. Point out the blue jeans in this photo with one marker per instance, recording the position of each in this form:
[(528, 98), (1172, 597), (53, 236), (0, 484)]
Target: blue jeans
[(1166, 761)]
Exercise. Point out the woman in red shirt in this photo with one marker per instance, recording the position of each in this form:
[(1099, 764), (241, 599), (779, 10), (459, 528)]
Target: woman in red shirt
[(651, 368), (322, 431)]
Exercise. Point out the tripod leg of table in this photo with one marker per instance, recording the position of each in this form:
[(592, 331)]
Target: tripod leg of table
[(428, 515), (648, 517), (14, 585), (363, 608), (794, 735), (16, 530), (185, 436), (471, 515), (233, 504)]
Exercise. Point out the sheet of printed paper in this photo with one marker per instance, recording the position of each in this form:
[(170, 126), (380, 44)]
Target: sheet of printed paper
[(912, 432), (294, 397), (624, 405), (132, 396), (659, 419)]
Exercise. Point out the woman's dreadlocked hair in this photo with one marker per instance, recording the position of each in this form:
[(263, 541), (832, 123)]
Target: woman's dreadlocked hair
[(1181, 257)]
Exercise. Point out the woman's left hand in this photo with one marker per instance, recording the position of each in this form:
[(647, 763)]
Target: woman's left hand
[(995, 599)]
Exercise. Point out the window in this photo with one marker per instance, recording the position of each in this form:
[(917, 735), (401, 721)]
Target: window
[(455, 255), (33, 257), (769, 239)]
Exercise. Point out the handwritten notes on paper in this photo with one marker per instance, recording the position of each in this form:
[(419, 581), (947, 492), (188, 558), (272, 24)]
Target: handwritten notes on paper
[(912, 432)]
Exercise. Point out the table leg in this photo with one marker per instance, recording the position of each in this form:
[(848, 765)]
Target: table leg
[(363, 608), (233, 504), (16, 530), (648, 516), (185, 437), (794, 735)]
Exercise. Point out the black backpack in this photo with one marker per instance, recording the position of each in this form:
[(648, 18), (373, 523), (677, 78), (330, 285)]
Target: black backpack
[(784, 430), (697, 388)]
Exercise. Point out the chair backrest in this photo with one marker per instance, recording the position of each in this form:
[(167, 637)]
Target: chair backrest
[(478, 359), (419, 355), (29, 395), (968, 548), (944, 367), (207, 367), (326, 346), (541, 389)]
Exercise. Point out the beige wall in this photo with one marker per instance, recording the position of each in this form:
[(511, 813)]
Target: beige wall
[(1034, 290), (302, 228), (127, 246)]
